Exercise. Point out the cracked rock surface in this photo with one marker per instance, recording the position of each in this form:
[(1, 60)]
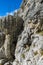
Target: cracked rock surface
[(21, 35)]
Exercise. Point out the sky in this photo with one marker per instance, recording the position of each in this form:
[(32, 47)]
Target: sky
[(8, 6)]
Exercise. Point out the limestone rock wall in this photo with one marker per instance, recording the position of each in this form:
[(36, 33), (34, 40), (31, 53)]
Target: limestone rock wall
[(21, 35)]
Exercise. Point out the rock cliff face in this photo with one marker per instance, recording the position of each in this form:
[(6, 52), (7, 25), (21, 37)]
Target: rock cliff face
[(21, 35), (11, 27)]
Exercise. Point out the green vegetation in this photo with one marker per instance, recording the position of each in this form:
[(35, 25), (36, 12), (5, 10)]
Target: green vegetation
[(41, 52), (23, 56), (35, 53), (41, 33)]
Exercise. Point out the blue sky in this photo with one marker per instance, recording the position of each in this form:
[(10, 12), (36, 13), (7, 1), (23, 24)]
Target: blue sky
[(9, 6)]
